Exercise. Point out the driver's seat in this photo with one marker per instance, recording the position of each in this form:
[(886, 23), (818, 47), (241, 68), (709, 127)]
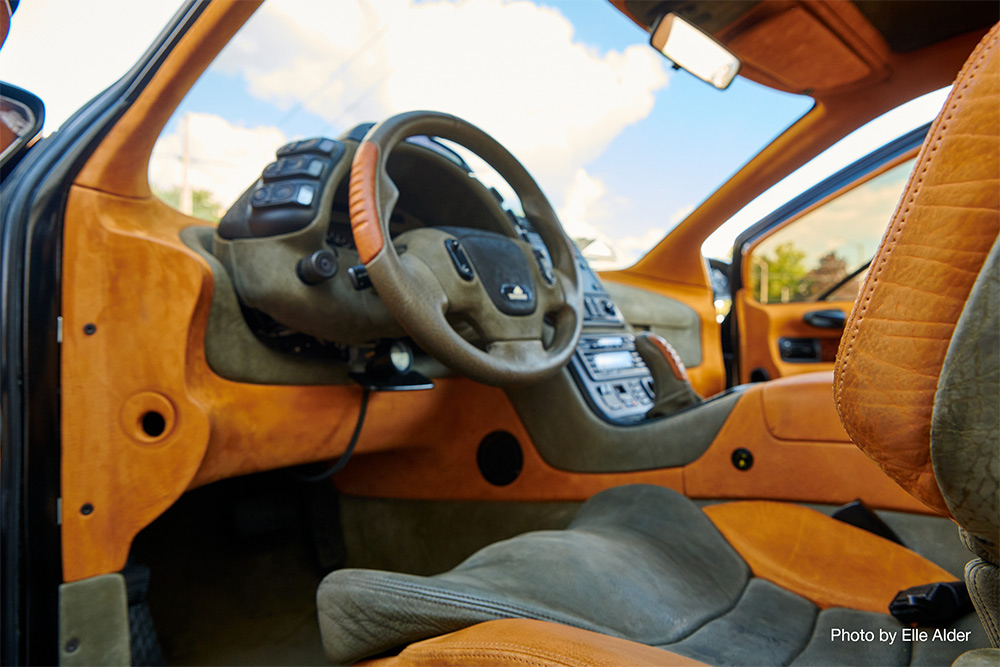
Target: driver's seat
[(644, 576)]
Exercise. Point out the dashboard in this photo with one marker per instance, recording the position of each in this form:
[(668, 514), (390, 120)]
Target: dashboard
[(297, 214)]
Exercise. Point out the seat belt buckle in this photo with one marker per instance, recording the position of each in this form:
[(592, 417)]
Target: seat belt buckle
[(932, 605)]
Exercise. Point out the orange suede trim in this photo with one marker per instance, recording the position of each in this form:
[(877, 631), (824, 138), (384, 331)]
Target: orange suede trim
[(364, 204), (528, 642), (4, 20), (824, 467), (761, 325), (800, 407), (824, 560), (147, 296)]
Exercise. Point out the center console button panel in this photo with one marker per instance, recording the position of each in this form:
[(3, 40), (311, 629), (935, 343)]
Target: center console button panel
[(612, 376)]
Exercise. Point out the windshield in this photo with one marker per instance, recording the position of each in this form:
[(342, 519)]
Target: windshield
[(623, 146)]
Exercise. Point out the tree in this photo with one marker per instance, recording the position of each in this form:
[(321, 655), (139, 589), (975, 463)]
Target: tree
[(203, 205), (783, 272)]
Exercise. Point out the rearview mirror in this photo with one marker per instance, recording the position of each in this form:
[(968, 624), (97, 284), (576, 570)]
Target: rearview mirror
[(690, 48)]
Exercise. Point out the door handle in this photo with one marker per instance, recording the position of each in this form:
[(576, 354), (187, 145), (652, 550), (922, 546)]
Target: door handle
[(826, 319)]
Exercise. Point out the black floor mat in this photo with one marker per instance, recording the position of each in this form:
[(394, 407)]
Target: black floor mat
[(234, 573)]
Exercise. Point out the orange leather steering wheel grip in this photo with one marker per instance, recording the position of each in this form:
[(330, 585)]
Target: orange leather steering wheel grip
[(365, 222)]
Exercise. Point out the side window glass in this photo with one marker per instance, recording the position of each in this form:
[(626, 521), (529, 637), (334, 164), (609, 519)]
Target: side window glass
[(824, 255)]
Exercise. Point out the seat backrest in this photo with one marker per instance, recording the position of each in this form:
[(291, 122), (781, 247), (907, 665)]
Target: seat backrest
[(916, 380)]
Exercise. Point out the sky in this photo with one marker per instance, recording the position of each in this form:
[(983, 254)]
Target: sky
[(624, 146)]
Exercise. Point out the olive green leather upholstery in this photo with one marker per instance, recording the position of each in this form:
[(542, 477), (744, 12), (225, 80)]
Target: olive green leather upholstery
[(964, 445), (639, 562)]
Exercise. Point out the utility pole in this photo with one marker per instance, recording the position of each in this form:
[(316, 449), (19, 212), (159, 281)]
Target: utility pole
[(187, 199), (764, 287)]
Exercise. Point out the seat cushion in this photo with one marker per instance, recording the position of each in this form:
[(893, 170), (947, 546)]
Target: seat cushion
[(641, 563)]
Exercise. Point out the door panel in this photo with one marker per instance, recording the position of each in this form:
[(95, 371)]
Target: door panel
[(799, 279), (778, 340)]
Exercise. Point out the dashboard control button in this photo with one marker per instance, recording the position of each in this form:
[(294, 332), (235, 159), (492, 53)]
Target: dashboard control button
[(283, 194), (260, 196), (624, 396), (459, 259), (294, 167), (305, 195), (359, 277), (610, 399), (317, 145)]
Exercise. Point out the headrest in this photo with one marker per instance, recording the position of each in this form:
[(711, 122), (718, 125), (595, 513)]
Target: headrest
[(896, 340)]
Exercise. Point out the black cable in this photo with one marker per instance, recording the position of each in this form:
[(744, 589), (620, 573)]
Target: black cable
[(342, 461)]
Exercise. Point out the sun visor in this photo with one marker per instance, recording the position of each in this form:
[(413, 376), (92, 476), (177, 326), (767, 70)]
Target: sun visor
[(800, 52)]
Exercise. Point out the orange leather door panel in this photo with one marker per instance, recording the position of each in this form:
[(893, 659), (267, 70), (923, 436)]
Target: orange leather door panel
[(762, 326)]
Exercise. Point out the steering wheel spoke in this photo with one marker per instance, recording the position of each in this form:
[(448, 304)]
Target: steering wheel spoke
[(425, 253), (557, 293), (518, 353)]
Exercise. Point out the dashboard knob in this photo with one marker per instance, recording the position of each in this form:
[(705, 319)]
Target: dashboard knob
[(317, 267)]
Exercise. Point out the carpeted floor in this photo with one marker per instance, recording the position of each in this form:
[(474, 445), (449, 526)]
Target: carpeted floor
[(235, 565)]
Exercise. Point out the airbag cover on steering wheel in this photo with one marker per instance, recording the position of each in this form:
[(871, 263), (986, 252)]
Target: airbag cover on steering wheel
[(502, 267)]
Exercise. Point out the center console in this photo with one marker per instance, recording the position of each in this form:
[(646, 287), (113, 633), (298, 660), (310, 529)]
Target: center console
[(606, 368)]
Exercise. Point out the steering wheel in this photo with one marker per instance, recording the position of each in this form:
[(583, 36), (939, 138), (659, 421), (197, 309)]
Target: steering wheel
[(450, 276)]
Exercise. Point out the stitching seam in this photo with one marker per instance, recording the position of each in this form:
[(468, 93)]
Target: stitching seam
[(900, 220)]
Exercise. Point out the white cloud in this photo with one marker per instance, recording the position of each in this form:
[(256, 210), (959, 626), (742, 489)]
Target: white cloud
[(511, 68), (224, 159), (630, 248), (582, 206), (68, 52)]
